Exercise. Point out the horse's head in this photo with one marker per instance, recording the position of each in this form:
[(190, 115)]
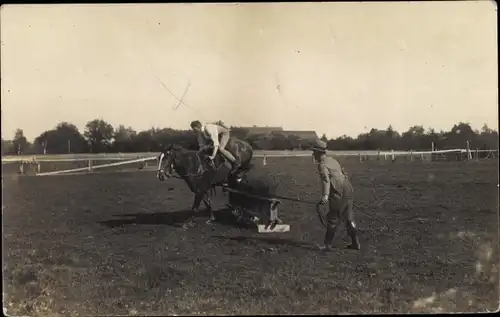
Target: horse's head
[(166, 161)]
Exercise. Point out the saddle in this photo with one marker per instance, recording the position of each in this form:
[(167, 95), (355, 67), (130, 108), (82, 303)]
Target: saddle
[(218, 162)]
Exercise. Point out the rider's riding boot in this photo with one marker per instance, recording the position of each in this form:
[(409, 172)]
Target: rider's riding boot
[(236, 165), (352, 231)]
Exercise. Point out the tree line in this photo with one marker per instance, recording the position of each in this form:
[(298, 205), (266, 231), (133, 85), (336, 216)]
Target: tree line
[(100, 136)]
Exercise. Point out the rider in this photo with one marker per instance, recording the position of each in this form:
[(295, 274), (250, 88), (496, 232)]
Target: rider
[(219, 135)]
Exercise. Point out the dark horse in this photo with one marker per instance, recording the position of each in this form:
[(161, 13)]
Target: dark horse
[(201, 174)]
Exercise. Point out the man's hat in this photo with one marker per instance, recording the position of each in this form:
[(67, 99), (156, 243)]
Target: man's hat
[(319, 146)]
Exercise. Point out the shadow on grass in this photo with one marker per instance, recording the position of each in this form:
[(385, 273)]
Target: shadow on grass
[(173, 218), (275, 241)]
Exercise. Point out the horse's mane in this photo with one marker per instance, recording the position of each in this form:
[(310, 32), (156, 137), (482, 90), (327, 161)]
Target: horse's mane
[(178, 148)]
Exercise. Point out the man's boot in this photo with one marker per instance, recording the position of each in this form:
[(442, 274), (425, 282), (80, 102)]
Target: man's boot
[(329, 236), (353, 234)]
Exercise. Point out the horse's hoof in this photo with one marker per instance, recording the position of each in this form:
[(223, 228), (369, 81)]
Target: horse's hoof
[(189, 224)]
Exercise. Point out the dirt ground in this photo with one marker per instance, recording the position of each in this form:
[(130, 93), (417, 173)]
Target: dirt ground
[(110, 244)]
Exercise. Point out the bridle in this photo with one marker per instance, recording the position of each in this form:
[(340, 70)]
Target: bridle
[(161, 174), (169, 155)]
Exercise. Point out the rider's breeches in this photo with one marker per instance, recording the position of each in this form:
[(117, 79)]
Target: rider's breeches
[(340, 210), (224, 138)]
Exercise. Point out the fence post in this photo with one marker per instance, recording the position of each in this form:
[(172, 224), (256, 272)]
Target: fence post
[(432, 146), (90, 165), (392, 154), (360, 158), (378, 155), (477, 154), (469, 155), (264, 160), (38, 167), (411, 155)]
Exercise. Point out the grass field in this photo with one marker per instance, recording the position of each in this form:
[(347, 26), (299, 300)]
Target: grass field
[(109, 244)]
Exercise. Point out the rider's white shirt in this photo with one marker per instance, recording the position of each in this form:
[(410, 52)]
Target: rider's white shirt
[(209, 132)]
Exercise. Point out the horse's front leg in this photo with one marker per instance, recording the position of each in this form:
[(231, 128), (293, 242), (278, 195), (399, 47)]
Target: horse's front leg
[(208, 203), (198, 198), (194, 209)]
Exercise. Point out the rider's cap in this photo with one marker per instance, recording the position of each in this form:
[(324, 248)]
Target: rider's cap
[(195, 123)]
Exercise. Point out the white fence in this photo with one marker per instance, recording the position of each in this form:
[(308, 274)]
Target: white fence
[(131, 158), (153, 155)]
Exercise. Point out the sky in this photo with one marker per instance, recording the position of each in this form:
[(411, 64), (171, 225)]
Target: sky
[(335, 68)]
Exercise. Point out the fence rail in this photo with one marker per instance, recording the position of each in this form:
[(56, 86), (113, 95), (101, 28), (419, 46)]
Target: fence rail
[(149, 155), (34, 162)]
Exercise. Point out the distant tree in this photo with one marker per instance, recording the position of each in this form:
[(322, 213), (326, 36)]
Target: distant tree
[(99, 135), (458, 136), (431, 137), (486, 130), (239, 133), (279, 141), (343, 142), (488, 138), (260, 142), (7, 147), (413, 138), (143, 142), (124, 139), (65, 138), (392, 138), (20, 143)]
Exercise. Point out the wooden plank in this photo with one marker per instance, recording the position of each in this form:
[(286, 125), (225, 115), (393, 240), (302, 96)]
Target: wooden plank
[(277, 228)]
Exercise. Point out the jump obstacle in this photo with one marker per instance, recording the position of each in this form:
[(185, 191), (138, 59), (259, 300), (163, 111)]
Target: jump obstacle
[(265, 217)]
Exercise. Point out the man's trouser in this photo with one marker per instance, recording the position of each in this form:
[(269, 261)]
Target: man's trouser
[(341, 209), (224, 138)]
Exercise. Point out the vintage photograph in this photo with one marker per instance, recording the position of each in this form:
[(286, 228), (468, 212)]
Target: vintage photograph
[(250, 158)]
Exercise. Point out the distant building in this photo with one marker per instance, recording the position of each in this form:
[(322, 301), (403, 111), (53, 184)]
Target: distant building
[(252, 131), (268, 131), (304, 135)]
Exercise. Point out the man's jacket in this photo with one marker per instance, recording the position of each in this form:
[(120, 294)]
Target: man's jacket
[(332, 176)]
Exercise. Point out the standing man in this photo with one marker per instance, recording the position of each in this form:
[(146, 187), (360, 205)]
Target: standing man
[(338, 192), (219, 135)]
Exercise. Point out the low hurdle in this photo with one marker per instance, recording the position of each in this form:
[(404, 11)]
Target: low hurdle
[(265, 214)]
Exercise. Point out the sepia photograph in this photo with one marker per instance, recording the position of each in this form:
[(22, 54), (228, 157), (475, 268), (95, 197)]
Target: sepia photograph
[(282, 158)]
